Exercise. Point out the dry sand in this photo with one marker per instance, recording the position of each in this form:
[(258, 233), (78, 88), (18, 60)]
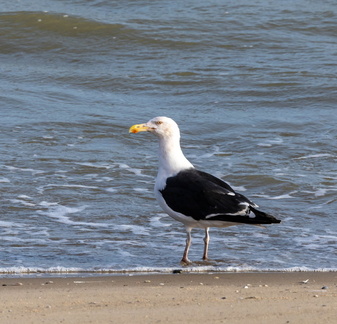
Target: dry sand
[(298, 297)]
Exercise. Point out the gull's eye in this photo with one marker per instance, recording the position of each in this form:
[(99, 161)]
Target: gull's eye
[(158, 122)]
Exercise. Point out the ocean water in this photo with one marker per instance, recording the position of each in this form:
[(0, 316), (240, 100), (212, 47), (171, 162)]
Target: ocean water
[(253, 87)]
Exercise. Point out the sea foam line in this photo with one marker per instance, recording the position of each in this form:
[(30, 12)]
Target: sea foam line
[(148, 270)]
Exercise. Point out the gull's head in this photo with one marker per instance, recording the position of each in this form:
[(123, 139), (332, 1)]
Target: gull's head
[(161, 126)]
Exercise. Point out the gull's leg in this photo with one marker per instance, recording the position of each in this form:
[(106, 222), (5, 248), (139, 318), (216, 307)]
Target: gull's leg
[(187, 246), (206, 241)]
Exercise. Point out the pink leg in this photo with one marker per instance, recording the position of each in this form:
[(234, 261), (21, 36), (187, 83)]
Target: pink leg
[(187, 246), (206, 241)]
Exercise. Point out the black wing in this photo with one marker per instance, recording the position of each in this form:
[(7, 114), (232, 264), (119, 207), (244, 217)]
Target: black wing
[(204, 197)]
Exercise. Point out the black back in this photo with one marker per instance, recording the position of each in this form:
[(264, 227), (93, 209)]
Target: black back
[(200, 195)]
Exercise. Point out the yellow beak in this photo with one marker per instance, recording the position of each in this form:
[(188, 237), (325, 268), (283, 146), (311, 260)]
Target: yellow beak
[(139, 128)]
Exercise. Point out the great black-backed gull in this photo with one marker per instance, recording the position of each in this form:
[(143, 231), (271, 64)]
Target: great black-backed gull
[(195, 198)]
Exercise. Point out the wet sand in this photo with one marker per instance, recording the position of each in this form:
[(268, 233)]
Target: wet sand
[(296, 297)]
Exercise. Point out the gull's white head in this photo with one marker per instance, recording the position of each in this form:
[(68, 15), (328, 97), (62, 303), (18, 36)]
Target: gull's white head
[(171, 157), (161, 126)]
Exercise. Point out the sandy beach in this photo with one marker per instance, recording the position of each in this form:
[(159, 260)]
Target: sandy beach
[(296, 297)]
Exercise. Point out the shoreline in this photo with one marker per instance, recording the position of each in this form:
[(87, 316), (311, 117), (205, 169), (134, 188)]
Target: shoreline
[(239, 297)]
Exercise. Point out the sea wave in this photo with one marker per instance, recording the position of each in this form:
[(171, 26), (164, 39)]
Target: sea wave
[(59, 24), (38, 32)]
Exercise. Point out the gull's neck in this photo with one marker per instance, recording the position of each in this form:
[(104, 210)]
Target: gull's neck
[(171, 158)]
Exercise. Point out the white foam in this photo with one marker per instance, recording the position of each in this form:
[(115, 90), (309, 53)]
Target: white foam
[(47, 204), (313, 156), (239, 188), (111, 190), (4, 180), (74, 186), (102, 179), (135, 171), (32, 171), (320, 192), (22, 202), (147, 270), (96, 165), (136, 229), (140, 189), (125, 253), (30, 270), (7, 224), (25, 197), (284, 196), (155, 221), (71, 186), (271, 142), (60, 213)]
